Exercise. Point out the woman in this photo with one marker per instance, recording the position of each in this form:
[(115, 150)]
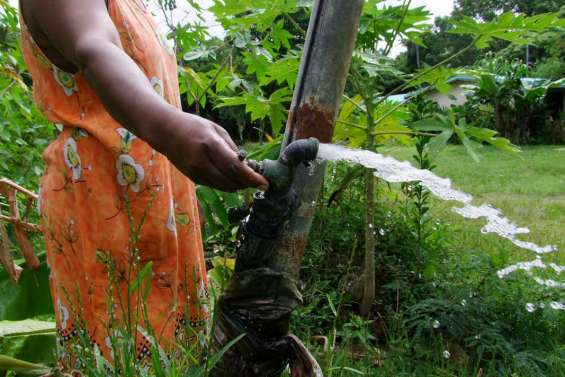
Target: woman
[(109, 196)]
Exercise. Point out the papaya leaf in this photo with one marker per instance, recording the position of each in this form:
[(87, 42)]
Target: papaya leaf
[(429, 125), (213, 201), (438, 143)]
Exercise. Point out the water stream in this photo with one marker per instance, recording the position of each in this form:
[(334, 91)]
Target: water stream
[(394, 171)]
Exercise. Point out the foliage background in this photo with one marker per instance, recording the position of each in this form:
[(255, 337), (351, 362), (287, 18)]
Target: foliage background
[(427, 268)]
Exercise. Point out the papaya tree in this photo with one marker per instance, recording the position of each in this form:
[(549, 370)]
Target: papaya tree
[(369, 117)]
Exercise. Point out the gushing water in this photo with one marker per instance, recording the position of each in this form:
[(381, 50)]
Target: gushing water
[(394, 171)]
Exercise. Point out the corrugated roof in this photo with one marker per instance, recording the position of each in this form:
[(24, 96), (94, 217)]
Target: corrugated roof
[(528, 83)]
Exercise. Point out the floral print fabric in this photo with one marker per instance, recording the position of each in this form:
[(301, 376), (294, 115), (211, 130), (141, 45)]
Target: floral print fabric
[(101, 185)]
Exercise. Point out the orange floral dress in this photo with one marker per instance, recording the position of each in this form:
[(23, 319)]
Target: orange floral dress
[(110, 205)]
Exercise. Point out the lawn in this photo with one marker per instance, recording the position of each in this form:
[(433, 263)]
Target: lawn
[(529, 188)]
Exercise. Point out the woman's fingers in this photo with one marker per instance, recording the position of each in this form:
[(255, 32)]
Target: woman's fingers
[(226, 137), (247, 176), (227, 161), (208, 175), (256, 180), (214, 159)]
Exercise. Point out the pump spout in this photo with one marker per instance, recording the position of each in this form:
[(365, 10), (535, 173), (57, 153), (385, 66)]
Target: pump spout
[(280, 173), (263, 291)]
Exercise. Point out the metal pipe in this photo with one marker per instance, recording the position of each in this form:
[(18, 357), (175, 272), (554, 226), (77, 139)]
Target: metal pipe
[(317, 98), (264, 289), (262, 293)]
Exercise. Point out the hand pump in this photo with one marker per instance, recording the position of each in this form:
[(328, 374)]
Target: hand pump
[(263, 292)]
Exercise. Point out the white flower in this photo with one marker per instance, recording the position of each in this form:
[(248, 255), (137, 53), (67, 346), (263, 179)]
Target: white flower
[(436, 324), (108, 343), (157, 85), (530, 307), (79, 133), (129, 172), (171, 220), (63, 313), (66, 80), (446, 354), (127, 139), (72, 158), (126, 134)]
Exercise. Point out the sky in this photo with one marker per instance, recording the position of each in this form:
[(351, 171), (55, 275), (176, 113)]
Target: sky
[(184, 12), (436, 7)]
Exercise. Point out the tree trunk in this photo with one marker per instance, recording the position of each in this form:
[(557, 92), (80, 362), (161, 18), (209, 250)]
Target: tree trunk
[(369, 263), (369, 267), (498, 119)]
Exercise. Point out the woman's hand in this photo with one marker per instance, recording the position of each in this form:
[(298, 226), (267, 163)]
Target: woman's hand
[(204, 152)]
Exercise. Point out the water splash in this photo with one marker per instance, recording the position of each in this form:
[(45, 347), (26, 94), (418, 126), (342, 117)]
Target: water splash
[(529, 266), (394, 171), (530, 308)]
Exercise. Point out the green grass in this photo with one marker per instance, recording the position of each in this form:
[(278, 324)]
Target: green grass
[(529, 188)]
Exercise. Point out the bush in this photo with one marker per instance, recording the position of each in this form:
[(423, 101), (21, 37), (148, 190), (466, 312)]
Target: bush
[(437, 309)]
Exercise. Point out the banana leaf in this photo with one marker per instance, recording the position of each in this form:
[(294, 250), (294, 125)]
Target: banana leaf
[(29, 298)]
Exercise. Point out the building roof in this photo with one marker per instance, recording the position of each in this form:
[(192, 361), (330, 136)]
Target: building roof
[(529, 83)]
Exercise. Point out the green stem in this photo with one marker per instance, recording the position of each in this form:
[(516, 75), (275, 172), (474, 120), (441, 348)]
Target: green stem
[(397, 30), (213, 81), (391, 111), (377, 133), (355, 103), (410, 133), (9, 363), (294, 23)]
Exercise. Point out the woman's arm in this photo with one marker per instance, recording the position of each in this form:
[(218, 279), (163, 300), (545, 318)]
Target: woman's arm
[(82, 33)]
